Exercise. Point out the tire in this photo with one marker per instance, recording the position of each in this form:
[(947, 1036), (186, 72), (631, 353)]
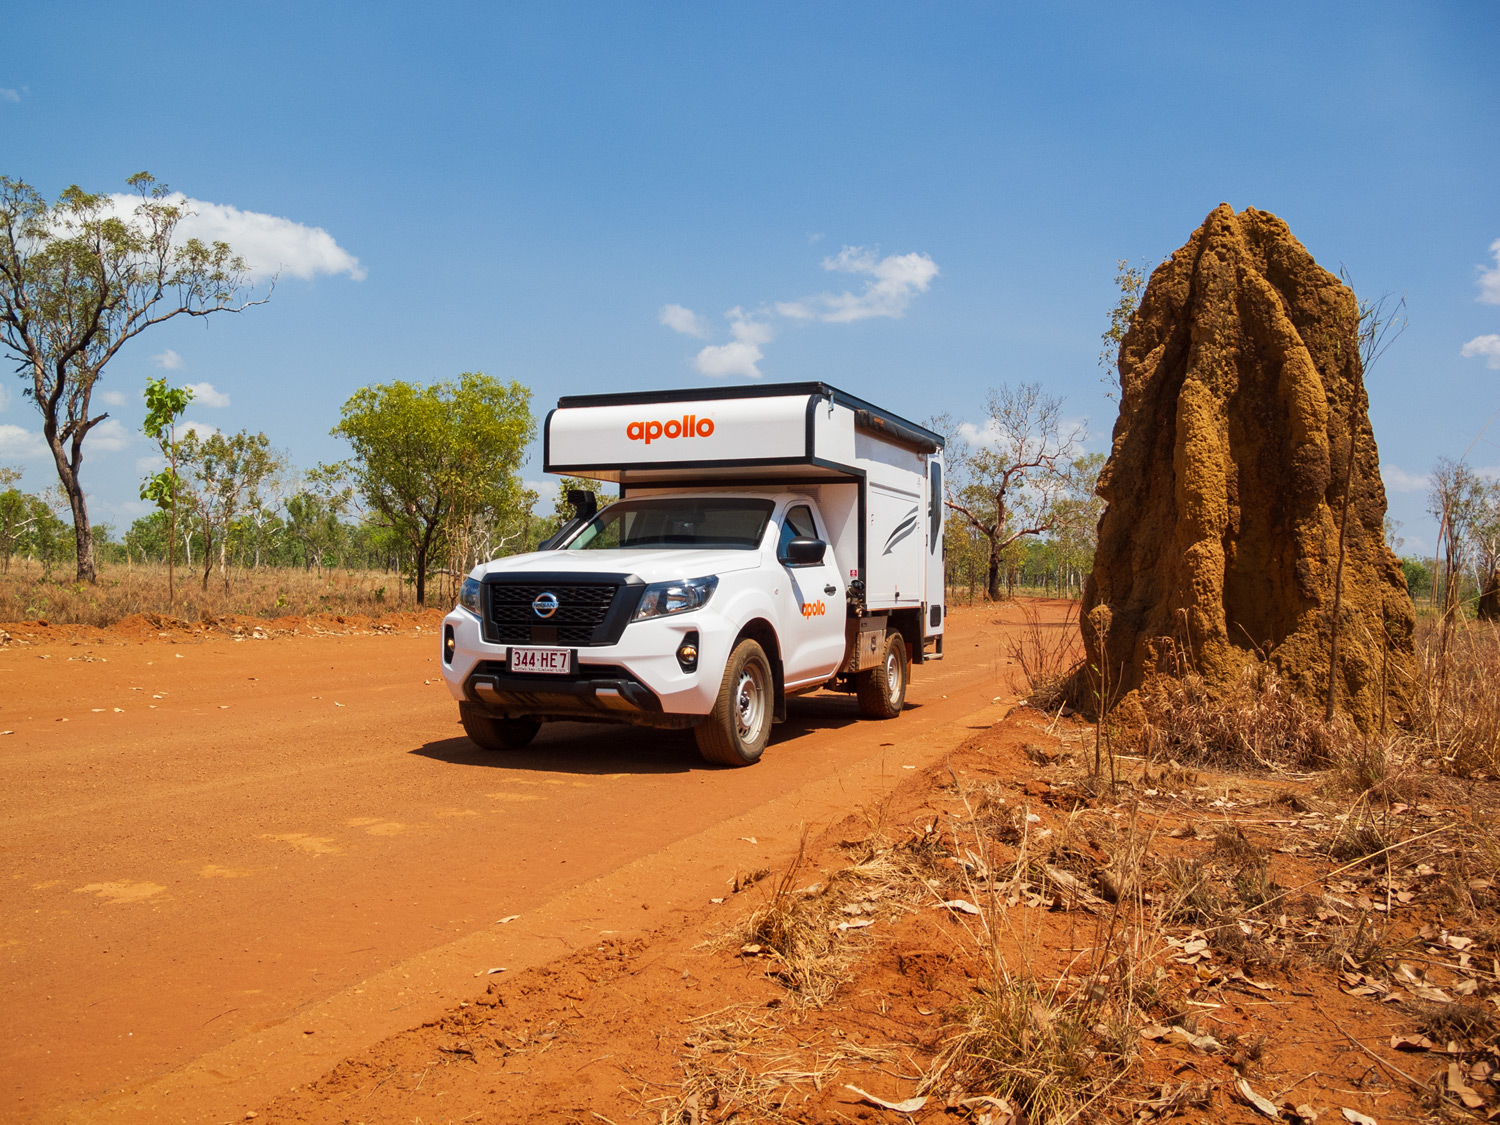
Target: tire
[(882, 689), (738, 728), (497, 734)]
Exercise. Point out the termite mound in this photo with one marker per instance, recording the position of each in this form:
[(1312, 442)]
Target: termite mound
[(1242, 399)]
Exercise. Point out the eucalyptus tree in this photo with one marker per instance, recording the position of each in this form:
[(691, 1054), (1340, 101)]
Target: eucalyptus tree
[(224, 470), (77, 281), (428, 458), (1006, 481)]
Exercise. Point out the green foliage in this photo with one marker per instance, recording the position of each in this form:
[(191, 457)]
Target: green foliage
[(223, 470), (1129, 280), (435, 461), (29, 528), (1418, 576), (164, 405)]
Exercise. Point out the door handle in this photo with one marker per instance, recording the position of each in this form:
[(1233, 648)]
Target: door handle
[(830, 590)]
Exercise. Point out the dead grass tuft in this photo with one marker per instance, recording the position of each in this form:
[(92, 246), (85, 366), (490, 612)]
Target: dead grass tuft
[(1048, 654), (1468, 1019), (1255, 723)]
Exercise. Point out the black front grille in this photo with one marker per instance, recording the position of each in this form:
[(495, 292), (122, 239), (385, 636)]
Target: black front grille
[(583, 609)]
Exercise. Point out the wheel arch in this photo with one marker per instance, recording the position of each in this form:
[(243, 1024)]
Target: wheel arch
[(763, 633)]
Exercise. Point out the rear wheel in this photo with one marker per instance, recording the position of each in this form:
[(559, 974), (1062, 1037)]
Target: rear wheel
[(882, 689), (497, 734), (738, 728)]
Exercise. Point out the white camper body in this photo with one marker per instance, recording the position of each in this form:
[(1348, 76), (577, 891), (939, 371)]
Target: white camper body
[(792, 525)]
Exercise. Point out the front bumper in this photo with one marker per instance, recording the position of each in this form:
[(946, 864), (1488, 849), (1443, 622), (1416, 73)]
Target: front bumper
[(636, 680)]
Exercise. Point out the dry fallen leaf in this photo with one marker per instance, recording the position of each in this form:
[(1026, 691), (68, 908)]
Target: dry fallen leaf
[(1466, 1093), (1251, 1098), (910, 1105), (959, 905), (507, 918), (1356, 1118)]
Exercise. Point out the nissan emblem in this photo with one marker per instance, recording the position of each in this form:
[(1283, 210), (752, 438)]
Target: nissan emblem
[(545, 605)]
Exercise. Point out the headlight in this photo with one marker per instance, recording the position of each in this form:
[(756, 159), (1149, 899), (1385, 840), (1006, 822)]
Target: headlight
[(468, 596), (662, 598)]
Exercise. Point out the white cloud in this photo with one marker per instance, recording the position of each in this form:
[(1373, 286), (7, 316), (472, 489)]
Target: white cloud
[(113, 398), (205, 395), (895, 280), (150, 464), (200, 429), (4, 397), (268, 244), (1399, 480), (1489, 280), (1487, 346), (24, 445), (684, 320), (167, 360), (737, 358), (9, 95), (107, 437), (743, 355)]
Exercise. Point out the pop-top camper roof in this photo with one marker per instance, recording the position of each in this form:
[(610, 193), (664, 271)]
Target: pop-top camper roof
[(800, 432)]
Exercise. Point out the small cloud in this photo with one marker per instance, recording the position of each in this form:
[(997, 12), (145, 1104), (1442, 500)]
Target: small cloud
[(205, 395), (270, 245), (4, 397), (9, 95), (896, 279), (1399, 480), (743, 355), (20, 444), (200, 430), (107, 437), (815, 238), (684, 320), (1487, 346), (150, 464), (113, 398), (167, 360), (1489, 280), (730, 359)]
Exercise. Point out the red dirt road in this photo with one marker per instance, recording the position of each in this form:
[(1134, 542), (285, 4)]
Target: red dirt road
[(230, 864)]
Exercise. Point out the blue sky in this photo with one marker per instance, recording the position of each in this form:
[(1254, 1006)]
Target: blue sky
[(522, 190)]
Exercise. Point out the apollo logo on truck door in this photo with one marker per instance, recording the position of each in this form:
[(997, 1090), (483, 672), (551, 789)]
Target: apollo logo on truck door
[(689, 425)]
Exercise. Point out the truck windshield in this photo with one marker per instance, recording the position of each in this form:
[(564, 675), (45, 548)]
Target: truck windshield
[(678, 521)]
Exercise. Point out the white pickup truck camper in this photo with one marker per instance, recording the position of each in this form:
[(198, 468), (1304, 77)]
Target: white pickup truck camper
[(768, 541)]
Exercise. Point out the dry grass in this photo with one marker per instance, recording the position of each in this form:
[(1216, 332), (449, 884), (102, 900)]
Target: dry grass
[(1048, 654), (1255, 723), (1050, 1046), (126, 590), (1455, 704)]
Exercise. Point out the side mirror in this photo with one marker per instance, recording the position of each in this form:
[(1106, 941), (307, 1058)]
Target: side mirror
[(803, 551)]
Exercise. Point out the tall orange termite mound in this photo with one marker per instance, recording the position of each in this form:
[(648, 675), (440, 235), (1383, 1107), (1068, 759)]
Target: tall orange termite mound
[(1241, 391)]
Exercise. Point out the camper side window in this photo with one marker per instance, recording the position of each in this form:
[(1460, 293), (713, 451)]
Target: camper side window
[(797, 523)]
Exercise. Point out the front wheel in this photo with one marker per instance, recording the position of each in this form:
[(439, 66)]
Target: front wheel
[(497, 734), (738, 728), (882, 689)]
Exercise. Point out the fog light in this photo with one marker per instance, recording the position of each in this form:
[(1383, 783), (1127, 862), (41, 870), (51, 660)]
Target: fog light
[(449, 644), (687, 652)]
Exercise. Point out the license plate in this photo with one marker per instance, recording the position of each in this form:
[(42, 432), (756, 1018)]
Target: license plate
[(552, 661)]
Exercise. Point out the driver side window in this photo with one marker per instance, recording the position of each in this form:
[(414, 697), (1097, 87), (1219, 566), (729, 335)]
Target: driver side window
[(797, 523)]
